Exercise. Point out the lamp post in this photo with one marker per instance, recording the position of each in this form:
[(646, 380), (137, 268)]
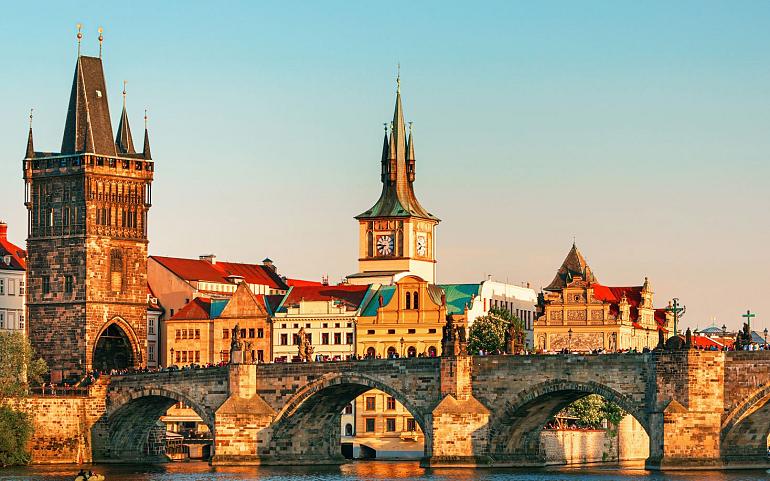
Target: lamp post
[(569, 344), (171, 360), (765, 333), (724, 330), (402, 347)]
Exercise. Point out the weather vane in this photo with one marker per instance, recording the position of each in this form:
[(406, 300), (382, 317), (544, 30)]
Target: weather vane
[(80, 37), (398, 77), (101, 39), (31, 111), (125, 82)]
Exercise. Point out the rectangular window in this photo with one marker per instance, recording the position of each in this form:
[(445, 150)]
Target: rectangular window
[(412, 331), (349, 338), (325, 325), (391, 331), (11, 287), (150, 326), (369, 425), (370, 331), (2, 286), (11, 320), (390, 425), (337, 324), (337, 338), (261, 355), (184, 356), (184, 333), (68, 284), (2, 320), (172, 313), (197, 356), (391, 403), (325, 338), (251, 333), (411, 425), (371, 403), (284, 339), (178, 357), (46, 285), (21, 321), (431, 331), (260, 333), (197, 334), (21, 288), (243, 333), (349, 408), (225, 333), (178, 335), (151, 351)]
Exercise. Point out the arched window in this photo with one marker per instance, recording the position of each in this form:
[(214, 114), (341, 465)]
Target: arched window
[(408, 300), (391, 352), (416, 298), (411, 352), (348, 429), (116, 270), (371, 353), (431, 351)]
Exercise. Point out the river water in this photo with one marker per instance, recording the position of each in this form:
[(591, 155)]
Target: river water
[(368, 470)]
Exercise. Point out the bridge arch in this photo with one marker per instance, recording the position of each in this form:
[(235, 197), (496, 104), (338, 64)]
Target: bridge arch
[(745, 429), (307, 427), (117, 346), (515, 433), (125, 426)]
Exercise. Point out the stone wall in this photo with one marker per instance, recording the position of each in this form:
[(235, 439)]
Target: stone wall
[(567, 447)]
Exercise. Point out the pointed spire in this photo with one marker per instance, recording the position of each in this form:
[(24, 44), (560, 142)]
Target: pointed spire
[(385, 144), (124, 141), (398, 128), (410, 144), (574, 264), (146, 153), (88, 142), (30, 148)]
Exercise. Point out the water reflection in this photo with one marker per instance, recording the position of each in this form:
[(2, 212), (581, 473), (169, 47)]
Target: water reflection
[(371, 470)]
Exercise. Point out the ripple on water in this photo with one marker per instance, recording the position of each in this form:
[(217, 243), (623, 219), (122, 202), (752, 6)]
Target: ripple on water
[(369, 470)]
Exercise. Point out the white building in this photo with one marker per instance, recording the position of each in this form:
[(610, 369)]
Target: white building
[(476, 300), (12, 284), (154, 314)]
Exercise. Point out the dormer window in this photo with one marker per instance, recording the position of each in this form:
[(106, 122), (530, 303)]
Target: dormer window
[(7, 260), (99, 93)]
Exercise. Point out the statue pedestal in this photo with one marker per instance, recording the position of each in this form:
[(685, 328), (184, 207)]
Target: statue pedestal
[(236, 357)]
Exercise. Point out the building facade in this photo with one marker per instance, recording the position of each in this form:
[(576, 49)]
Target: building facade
[(203, 330), (579, 314), (87, 237), (154, 315), (13, 276), (327, 315), (396, 235)]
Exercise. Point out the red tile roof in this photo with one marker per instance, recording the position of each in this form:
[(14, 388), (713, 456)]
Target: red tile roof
[(660, 319), (18, 256), (219, 271), (706, 342), (613, 295), (350, 295), (196, 309)]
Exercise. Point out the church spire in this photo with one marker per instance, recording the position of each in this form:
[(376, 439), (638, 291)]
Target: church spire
[(124, 141), (385, 151), (399, 128), (410, 155), (146, 152), (30, 147)]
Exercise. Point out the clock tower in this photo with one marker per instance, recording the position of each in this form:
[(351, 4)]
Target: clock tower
[(396, 235)]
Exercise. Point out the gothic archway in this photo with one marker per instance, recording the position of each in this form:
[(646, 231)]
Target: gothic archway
[(115, 347)]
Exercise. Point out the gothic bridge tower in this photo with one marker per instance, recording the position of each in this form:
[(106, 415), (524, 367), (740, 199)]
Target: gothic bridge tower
[(87, 236), (396, 235)]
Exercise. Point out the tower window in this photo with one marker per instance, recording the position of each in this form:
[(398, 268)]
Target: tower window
[(416, 298), (408, 300), (116, 270)]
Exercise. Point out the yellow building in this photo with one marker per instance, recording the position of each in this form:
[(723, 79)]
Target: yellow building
[(201, 332), (397, 234), (402, 320), (384, 426), (579, 314)]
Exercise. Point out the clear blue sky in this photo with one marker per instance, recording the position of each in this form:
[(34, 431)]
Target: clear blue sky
[(639, 127)]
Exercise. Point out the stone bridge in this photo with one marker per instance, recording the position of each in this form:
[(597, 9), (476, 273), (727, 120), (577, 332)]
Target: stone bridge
[(700, 409)]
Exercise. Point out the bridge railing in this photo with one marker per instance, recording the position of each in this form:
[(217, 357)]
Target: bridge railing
[(59, 391)]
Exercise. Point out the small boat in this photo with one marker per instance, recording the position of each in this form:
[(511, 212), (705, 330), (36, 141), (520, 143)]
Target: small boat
[(90, 476)]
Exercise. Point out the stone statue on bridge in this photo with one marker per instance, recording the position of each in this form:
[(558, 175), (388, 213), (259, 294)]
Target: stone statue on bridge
[(453, 342), (236, 348), (304, 348), (743, 338)]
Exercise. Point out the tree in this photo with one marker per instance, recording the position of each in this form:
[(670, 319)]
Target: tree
[(591, 412), (17, 370), (490, 333)]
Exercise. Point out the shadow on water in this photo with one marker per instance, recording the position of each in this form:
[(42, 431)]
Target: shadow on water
[(369, 470)]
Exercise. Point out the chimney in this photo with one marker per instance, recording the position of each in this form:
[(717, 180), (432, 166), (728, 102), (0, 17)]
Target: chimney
[(210, 258), (325, 280), (3, 230), (267, 262)]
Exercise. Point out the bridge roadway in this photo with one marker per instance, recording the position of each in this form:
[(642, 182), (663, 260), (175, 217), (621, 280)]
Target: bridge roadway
[(701, 409)]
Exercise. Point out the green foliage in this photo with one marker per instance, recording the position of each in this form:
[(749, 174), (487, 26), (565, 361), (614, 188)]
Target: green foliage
[(17, 367), (592, 410), (15, 431), (490, 333)]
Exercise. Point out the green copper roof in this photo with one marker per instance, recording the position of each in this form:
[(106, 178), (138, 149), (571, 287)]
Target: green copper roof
[(387, 294), (458, 295)]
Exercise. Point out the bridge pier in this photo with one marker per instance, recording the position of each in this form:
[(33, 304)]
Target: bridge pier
[(457, 430), (687, 405), (242, 421)]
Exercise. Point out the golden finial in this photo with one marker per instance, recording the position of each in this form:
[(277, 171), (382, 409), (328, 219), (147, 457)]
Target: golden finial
[(398, 77), (145, 119), (101, 39), (31, 111), (80, 37), (125, 82)]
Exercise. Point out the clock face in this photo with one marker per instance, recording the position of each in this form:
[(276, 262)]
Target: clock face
[(422, 245), (385, 245)]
